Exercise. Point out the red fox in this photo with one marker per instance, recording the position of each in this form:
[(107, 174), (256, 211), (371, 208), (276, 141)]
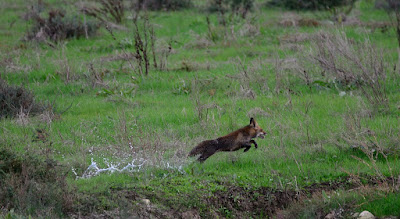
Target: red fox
[(242, 138)]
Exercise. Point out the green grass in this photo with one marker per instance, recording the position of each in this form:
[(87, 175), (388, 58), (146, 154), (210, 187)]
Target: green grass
[(384, 204), (159, 119)]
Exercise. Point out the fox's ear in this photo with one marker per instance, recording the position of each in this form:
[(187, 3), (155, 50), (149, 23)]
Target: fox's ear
[(252, 122)]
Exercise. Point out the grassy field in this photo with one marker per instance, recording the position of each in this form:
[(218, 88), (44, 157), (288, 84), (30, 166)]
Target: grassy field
[(330, 148)]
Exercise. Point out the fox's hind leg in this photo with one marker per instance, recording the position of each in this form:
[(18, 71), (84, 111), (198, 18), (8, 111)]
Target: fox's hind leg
[(247, 146)]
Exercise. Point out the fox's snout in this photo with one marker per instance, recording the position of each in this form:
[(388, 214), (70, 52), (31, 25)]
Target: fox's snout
[(258, 130), (261, 135)]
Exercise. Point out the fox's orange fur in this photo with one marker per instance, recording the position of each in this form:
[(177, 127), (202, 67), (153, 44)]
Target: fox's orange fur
[(241, 138)]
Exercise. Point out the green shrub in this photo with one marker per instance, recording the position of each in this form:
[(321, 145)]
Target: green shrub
[(15, 100), (33, 186), (310, 5)]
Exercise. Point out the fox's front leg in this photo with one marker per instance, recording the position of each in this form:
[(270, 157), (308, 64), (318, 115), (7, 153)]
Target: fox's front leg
[(253, 142), (248, 145)]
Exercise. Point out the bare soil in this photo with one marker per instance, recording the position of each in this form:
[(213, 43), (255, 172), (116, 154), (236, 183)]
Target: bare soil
[(235, 202)]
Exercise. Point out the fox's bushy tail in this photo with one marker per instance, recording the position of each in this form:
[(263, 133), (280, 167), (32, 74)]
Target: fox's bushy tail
[(201, 148)]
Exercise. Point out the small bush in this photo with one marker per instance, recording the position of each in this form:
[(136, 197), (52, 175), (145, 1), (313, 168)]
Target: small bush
[(167, 5), (32, 186), (239, 7), (310, 5), (15, 100), (57, 26)]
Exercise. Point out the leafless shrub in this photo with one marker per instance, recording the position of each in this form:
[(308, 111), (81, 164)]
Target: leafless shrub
[(66, 71), (285, 70), (233, 7), (11, 62), (48, 116), (17, 101), (120, 61), (122, 132), (246, 77), (201, 107), (296, 21), (257, 112), (307, 122), (95, 76), (144, 42), (58, 26), (278, 75), (164, 52), (199, 42), (230, 34), (110, 9), (349, 63), (249, 29), (250, 78), (22, 118), (247, 92), (53, 112)]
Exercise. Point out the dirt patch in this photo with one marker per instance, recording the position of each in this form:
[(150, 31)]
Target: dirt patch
[(241, 202), (234, 201)]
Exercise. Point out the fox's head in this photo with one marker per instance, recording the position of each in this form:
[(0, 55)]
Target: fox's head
[(259, 132)]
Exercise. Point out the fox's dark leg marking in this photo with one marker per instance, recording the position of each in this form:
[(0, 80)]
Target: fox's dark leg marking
[(254, 142), (247, 146)]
